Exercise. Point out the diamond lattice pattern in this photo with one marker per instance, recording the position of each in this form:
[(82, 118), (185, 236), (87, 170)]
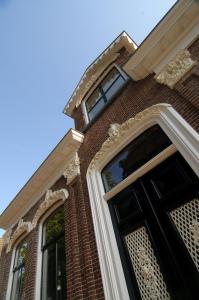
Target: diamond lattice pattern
[(186, 219), (146, 268)]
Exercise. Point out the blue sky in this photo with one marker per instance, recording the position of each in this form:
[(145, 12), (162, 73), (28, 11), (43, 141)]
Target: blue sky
[(45, 47)]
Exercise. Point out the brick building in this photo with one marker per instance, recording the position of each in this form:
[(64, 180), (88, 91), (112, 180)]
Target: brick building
[(113, 212)]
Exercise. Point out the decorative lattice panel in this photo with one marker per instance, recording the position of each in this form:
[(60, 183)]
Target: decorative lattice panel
[(146, 268), (186, 219)]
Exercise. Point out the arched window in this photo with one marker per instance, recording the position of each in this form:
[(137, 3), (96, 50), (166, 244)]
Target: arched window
[(144, 205), (19, 271), (53, 258)]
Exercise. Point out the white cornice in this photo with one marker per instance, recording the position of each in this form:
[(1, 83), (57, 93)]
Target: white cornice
[(96, 69), (50, 171), (174, 33)]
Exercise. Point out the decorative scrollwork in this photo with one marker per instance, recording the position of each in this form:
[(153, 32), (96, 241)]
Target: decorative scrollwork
[(176, 69), (73, 169), (50, 199), (118, 132), (194, 228), (148, 273), (22, 227)]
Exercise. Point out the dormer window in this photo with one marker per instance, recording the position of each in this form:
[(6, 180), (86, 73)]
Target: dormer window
[(105, 91)]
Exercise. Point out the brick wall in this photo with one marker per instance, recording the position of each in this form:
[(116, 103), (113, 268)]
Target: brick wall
[(82, 265)]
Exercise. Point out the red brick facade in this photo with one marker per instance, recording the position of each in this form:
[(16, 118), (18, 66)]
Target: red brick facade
[(82, 264)]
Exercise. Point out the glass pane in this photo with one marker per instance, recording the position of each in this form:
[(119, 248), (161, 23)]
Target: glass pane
[(93, 99), (61, 270), (49, 273), (109, 79), (21, 254), (96, 109), (54, 226), (117, 85), (18, 283), (169, 179), (136, 154)]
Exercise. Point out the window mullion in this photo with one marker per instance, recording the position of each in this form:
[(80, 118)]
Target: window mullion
[(103, 94), (56, 263)]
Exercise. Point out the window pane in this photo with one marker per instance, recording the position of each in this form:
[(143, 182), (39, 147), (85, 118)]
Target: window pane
[(96, 109), (93, 99), (54, 226), (53, 263), (117, 85), (136, 154), (21, 254), (18, 283), (109, 79), (61, 270), (49, 273)]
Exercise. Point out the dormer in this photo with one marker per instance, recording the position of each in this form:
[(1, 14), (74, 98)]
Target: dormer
[(101, 82)]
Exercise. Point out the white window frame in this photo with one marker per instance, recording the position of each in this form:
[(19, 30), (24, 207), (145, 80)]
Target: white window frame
[(10, 278), (185, 140), (101, 77), (39, 251)]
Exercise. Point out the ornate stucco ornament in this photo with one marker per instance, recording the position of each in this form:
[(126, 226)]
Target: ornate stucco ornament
[(50, 199), (7, 236), (73, 169), (119, 132), (194, 228), (114, 129), (22, 227), (148, 273), (177, 68)]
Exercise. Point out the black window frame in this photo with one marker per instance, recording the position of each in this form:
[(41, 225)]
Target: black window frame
[(17, 268), (45, 246), (142, 162), (104, 93)]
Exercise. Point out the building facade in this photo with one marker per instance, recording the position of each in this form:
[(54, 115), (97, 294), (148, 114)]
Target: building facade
[(113, 212)]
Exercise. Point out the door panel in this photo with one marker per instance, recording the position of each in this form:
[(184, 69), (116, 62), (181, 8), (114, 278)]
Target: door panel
[(186, 219), (156, 223), (149, 277)]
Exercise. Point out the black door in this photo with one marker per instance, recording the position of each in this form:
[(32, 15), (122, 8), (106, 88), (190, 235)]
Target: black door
[(156, 221)]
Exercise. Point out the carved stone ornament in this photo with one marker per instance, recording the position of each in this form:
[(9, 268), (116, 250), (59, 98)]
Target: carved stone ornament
[(114, 129), (194, 228), (73, 169), (118, 132), (21, 228), (176, 69), (7, 236), (50, 199), (148, 273)]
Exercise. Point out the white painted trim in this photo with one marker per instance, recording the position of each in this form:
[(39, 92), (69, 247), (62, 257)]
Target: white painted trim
[(10, 278), (39, 252), (186, 141)]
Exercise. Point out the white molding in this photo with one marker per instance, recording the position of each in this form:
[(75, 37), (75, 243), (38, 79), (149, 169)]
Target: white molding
[(47, 174), (73, 169), (22, 227), (10, 278), (39, 252), (186, 141), (176, 69), (100, 63), (50, 199), (175, 32)]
